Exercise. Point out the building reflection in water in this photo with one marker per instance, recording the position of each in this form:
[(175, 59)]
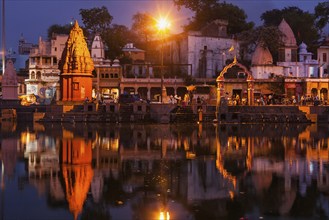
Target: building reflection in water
[(176, 171)]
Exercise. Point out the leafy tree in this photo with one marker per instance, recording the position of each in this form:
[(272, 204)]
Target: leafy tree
[(267, 36), (143, 28), (96, 20), (116, 38), (58, 29), (195, 5), (301, 23), (209, 10), (322, 15)]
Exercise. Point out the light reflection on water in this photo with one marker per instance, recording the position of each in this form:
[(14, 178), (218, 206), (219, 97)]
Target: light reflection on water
[(180, 171)]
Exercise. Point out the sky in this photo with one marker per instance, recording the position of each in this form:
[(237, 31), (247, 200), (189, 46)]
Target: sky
[(32, 18)]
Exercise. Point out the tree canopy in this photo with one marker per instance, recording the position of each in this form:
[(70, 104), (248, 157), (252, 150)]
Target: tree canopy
[(58, 29), (322, 15), (96, 20), (143, 28), (301, 23), (115, 39), (195, 5), (267, 36), (208, 10)]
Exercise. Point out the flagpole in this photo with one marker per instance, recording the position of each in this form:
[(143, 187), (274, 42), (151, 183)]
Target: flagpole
[(3, 38)]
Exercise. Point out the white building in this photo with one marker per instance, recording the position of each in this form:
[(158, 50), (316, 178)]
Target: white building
[(201, 54), (43, 68), (291, 61), (305, 67), (323, 58), (106, 83), (262, 66), (97, 49)]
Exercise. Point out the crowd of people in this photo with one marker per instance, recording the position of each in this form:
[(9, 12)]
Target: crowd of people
[(272, 99)]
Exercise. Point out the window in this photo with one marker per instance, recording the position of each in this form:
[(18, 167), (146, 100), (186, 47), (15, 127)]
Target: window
[(324, 57), (76, 86)]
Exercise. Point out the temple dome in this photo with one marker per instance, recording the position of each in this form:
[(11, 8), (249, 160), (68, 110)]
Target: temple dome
[(261, 56), (302, 48), (289, 37)]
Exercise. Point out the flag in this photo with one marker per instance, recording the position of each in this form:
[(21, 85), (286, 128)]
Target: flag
[(231, 49)]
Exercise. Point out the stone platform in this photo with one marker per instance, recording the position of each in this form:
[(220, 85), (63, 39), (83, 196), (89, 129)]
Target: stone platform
[(273, 114), (170, 113)]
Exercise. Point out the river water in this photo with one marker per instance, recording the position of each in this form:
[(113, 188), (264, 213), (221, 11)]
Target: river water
[(164, 171)]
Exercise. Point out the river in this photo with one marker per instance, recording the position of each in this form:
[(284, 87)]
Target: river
[(164, 171)]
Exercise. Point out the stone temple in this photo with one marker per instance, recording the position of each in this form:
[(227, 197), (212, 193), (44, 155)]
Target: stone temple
[(9, 82), (76, 68)]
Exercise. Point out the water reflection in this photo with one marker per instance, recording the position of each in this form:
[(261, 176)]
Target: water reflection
[(182, 171)]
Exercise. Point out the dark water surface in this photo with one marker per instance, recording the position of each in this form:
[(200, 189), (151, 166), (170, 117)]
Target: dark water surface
[(182, 171)]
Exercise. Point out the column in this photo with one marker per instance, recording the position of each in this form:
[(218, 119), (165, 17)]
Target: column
[(148, 93)]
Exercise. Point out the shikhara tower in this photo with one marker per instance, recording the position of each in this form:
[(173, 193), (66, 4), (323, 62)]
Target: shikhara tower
[(76, 68)]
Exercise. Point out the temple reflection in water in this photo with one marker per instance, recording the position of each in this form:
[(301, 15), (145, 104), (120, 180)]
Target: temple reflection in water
[(178, 171)]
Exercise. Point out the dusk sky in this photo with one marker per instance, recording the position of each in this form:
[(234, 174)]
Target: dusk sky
[(33, 17)]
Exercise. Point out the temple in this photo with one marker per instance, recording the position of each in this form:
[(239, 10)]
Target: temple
[(76, 68), (9, 82)]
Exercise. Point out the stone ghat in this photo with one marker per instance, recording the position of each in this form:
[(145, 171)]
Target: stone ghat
[(273, 114), (171, 113)]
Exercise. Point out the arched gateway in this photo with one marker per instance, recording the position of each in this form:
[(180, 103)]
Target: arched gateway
[(238, 78)]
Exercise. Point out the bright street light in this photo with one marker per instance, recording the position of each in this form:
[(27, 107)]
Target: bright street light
[(3, 37), (162, 24)]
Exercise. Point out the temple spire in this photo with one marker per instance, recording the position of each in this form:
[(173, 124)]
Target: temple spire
[(76, 67)]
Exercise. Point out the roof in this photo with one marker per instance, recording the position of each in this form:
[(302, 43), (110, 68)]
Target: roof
[(289, 37), (261, 56), (132, 50)]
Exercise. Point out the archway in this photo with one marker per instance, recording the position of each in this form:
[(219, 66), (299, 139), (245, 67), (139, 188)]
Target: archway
[(142, 91), (324, 95), (238, 73), (314, 92)]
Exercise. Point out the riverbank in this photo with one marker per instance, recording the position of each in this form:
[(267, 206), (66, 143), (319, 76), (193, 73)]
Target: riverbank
[(141, 112)]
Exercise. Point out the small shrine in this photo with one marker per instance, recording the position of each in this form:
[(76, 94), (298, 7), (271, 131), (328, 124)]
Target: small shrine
[(9, 82), (76, 68), (235, 81)]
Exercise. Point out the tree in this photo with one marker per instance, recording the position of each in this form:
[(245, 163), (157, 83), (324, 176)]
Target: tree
[(115, 39), (195, 5), (96, 20), (322, 15), (267, 36), (143, 28), (209, 10), (58, 29), (301, 23)]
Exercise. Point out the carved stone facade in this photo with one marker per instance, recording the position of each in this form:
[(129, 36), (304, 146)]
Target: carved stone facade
[(76, 68)]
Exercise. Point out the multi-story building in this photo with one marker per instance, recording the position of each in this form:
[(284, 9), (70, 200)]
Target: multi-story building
[(43, 78), (201, 54), (323, 58), (295, 64), (24, 48), (107, 74), (110, 81)]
